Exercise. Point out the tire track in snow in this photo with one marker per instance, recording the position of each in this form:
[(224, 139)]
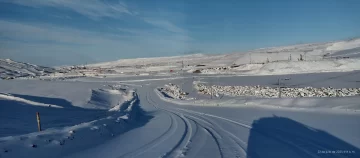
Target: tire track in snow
[(177, 150), (169, 132), (210, 132), (218, 117), (199, 138), (242, 145), (238, 141), (228, 146), (288, 143), (293, 146), (225, 149)]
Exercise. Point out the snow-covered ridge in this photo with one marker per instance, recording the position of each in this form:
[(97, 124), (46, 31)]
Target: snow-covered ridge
[(343, 45), (302, 58), (12, 69), (145, 61), (285, 67)]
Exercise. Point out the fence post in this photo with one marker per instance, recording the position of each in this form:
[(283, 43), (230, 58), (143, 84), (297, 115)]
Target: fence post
[(38, 121)]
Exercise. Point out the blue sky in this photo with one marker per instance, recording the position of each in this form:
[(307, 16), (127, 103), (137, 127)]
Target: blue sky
[(65, 32)]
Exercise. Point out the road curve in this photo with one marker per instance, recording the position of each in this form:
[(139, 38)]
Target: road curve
[(190, 131)]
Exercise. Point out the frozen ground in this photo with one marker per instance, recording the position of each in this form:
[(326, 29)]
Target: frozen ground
[(118, 109), (165, 127)]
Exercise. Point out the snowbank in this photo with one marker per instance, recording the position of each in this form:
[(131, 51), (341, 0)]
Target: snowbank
[(342, 105), (174, 91), (62, 141), (269, 92), (25, 101), (108, 98)]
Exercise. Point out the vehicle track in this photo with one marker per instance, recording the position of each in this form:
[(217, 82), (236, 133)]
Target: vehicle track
[(229, 145), (169, 132), (211, 132), (303, 147), (181, 145), (226, 150)]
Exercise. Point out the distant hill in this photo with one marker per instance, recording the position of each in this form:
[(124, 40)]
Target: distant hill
[(12, 69)]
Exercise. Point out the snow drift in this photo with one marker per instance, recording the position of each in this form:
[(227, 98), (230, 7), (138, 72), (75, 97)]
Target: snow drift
[(67, 129)]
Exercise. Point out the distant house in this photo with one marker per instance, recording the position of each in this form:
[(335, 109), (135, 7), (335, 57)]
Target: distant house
[(8, 78), (197, 71)]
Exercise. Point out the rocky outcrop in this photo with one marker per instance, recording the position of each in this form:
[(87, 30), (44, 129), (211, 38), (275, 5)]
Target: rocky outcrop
[(270, 92)]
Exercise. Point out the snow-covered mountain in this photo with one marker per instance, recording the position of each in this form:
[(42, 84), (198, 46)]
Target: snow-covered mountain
[(338, 56), (14, 69), (309, 52)]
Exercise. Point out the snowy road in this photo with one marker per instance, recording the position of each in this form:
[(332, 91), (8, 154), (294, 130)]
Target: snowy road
[(195, 131), (113, 110)]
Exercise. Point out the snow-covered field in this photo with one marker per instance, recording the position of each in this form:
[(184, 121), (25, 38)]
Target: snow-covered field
[(149, 107)]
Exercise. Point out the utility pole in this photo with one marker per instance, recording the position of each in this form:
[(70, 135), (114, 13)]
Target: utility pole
[(182, 67), (211, 89), (211, 92), (250, 57), (279, 88)]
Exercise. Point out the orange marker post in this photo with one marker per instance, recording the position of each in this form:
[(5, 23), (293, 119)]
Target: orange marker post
[(38, 121)]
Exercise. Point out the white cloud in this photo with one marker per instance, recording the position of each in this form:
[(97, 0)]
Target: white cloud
[(38, 32), (43, 32), (61, 17), (24, 39), (93, 9), (27, 39), (96, 9), (164, 24)]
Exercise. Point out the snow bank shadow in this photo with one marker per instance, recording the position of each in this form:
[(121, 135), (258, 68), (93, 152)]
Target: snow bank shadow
[(283, 137), (140, 116), (19, 118), (47, 100)]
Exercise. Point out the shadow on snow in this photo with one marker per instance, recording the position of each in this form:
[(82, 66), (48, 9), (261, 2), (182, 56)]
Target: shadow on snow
[(278, 137), (19, 118)]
